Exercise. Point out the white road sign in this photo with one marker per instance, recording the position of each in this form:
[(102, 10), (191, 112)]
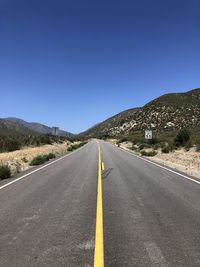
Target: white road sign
[(148, 134)]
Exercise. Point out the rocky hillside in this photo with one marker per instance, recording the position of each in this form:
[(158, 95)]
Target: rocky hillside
[(108, 126), (166, 113)]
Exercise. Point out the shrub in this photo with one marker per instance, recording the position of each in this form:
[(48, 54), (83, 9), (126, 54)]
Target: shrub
[(75, 146), (148, 153), (5, 171), (188, 145), (135, 148), (123, 139), (165, 149), (153, 141), (51, 156), (144, 145), (69, 148), (136, 140), (182, 138), (40, 159), (157, 146)]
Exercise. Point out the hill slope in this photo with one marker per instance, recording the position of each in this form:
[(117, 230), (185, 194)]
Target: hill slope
[(36, 127), (166, 113), (8, 127), (106, 126)]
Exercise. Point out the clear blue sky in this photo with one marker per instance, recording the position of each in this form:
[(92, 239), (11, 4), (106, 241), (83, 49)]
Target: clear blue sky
[(73, 63)]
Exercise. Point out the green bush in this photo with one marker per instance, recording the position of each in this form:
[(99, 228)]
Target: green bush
[(123, 139), (157, 146), (165, 149), (148, 153), (188, 145), (51, 156), (75, 146), (40, 159), (136, 140), (69, 148), (182, 138), (5, 171), (144, 145), (153, 141), (135, 148)]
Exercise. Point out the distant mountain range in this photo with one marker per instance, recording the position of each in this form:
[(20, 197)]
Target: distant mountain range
[(166, 113), (18, 126)]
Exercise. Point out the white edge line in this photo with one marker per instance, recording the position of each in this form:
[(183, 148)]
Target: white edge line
[(48, 164), (162, 167)]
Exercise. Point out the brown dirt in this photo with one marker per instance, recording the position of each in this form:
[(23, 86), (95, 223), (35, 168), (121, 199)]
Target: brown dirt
[(185, 161), (181, 160)]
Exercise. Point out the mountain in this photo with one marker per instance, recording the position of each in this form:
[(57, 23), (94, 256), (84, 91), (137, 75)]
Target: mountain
[(8, 127), (166, 113), (34, 126), (107, 126), (21, 126)]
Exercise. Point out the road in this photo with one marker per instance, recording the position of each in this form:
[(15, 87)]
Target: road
[(151, 216)]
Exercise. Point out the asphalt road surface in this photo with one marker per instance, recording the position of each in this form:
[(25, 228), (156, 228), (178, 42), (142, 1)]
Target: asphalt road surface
[(151, 216)]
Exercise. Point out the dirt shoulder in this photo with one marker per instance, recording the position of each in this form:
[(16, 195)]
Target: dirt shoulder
[(185, 161), (181, 160), (19, 160)]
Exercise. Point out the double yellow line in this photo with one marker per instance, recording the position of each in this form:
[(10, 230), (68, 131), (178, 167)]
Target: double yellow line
[(99, 246)]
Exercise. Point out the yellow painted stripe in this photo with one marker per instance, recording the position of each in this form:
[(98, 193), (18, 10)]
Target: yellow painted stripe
[(99, 247), (102, 166)]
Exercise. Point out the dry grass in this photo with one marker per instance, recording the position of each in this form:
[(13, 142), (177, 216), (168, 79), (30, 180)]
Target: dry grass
[(19, 160), (112, 141)]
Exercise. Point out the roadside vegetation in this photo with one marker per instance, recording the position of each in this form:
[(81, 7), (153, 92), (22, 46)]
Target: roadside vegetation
[(165, 142), (10, 143), (75, 146), (5, 172), (148, 153), (19, 153), (40, 159)]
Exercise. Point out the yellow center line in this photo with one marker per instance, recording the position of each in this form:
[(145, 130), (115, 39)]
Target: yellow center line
[(99, 247)]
